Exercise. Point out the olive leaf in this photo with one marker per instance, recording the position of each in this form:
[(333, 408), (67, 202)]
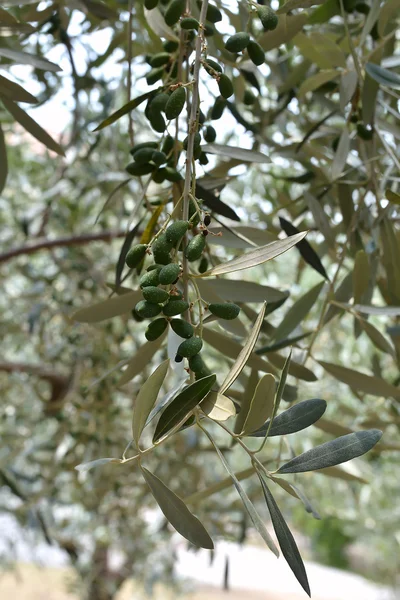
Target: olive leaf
[(32, 127), (218, 407), (244, 354), (13, 91), (261, 404), (182, 405), (368, 384), (255, 257), (3, 161), (87, 466), (306, 251), (146, 398), (127, 108), (333, 452), (247, 291), (177, 513), (241, 154), (285, 538), (140, 360), (251, 511), (383, 76), (107, 309), (298, 312), (296, 492), (23, 58), (296, 418)]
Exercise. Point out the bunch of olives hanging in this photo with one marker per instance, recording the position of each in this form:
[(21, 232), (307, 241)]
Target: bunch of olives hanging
[(163, 301)]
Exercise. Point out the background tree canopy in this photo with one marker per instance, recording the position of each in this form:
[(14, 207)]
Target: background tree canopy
[(205, 260)]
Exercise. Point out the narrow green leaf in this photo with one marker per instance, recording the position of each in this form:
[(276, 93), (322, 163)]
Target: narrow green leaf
[(288, 26), (296, 492), (279, 391), (298, 312), (245, 353), (333, 453), (383, 76), (341, 473), (282, 343), (13, 91), (285, 538), (107, 309), (177, 513), (316, 80), (251, 511), (389, 311), (341, 155), (242, 154), (332, 427), (342, 294), (296, 418), (247, 291), (32, 127), (255, 257), (140, 360), (84, 467), (361, 275), (307, 252), (368, 384), (293, 4), (393, 197), (183, 405), (295, 369), (262, 404), (218, 407), (3, 161), (377, 338), (23, 58), (320, 217), (146, 398), (127, 108)]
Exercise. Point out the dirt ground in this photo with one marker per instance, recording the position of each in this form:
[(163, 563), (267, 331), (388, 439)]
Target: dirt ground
[(33, 583)]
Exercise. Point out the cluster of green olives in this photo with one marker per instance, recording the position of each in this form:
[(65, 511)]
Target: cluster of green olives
[(163, 302)]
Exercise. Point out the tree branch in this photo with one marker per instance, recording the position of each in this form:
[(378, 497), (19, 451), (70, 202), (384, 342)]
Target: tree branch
[(75, 240)]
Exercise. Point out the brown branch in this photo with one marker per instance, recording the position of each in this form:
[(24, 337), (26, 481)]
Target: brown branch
[(75, 240)]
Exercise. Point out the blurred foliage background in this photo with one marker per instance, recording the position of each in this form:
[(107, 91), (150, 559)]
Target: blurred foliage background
[(330, 128)]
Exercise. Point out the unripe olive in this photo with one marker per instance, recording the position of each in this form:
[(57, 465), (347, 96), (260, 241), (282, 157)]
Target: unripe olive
[(268, 18), (143, 155), (157, 122), (199, 367), (195, 247), (193, 211), (175, 307), (364, 132), (160, 59), (169, 274), (150, 4), (174, 11), (209, 134), (237, 42), (249, 97), (159, 175), (218, 108), (171, 174), (209, 30), (196, 141), (158, 158), (155, 329), (175, 103), (149, 279), (225, 86), (203, 265), (155, 294), (213, 14), (176, 231), (135, 255), (170, 46), (137, 147), (168, 144), (182, 328), (154, 75), (211, 64), (256, 53), (190, 347), (157, 104), (138, 170), (147, 310), (190, 23), (203, 158), (224, 310), (161, 249)]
